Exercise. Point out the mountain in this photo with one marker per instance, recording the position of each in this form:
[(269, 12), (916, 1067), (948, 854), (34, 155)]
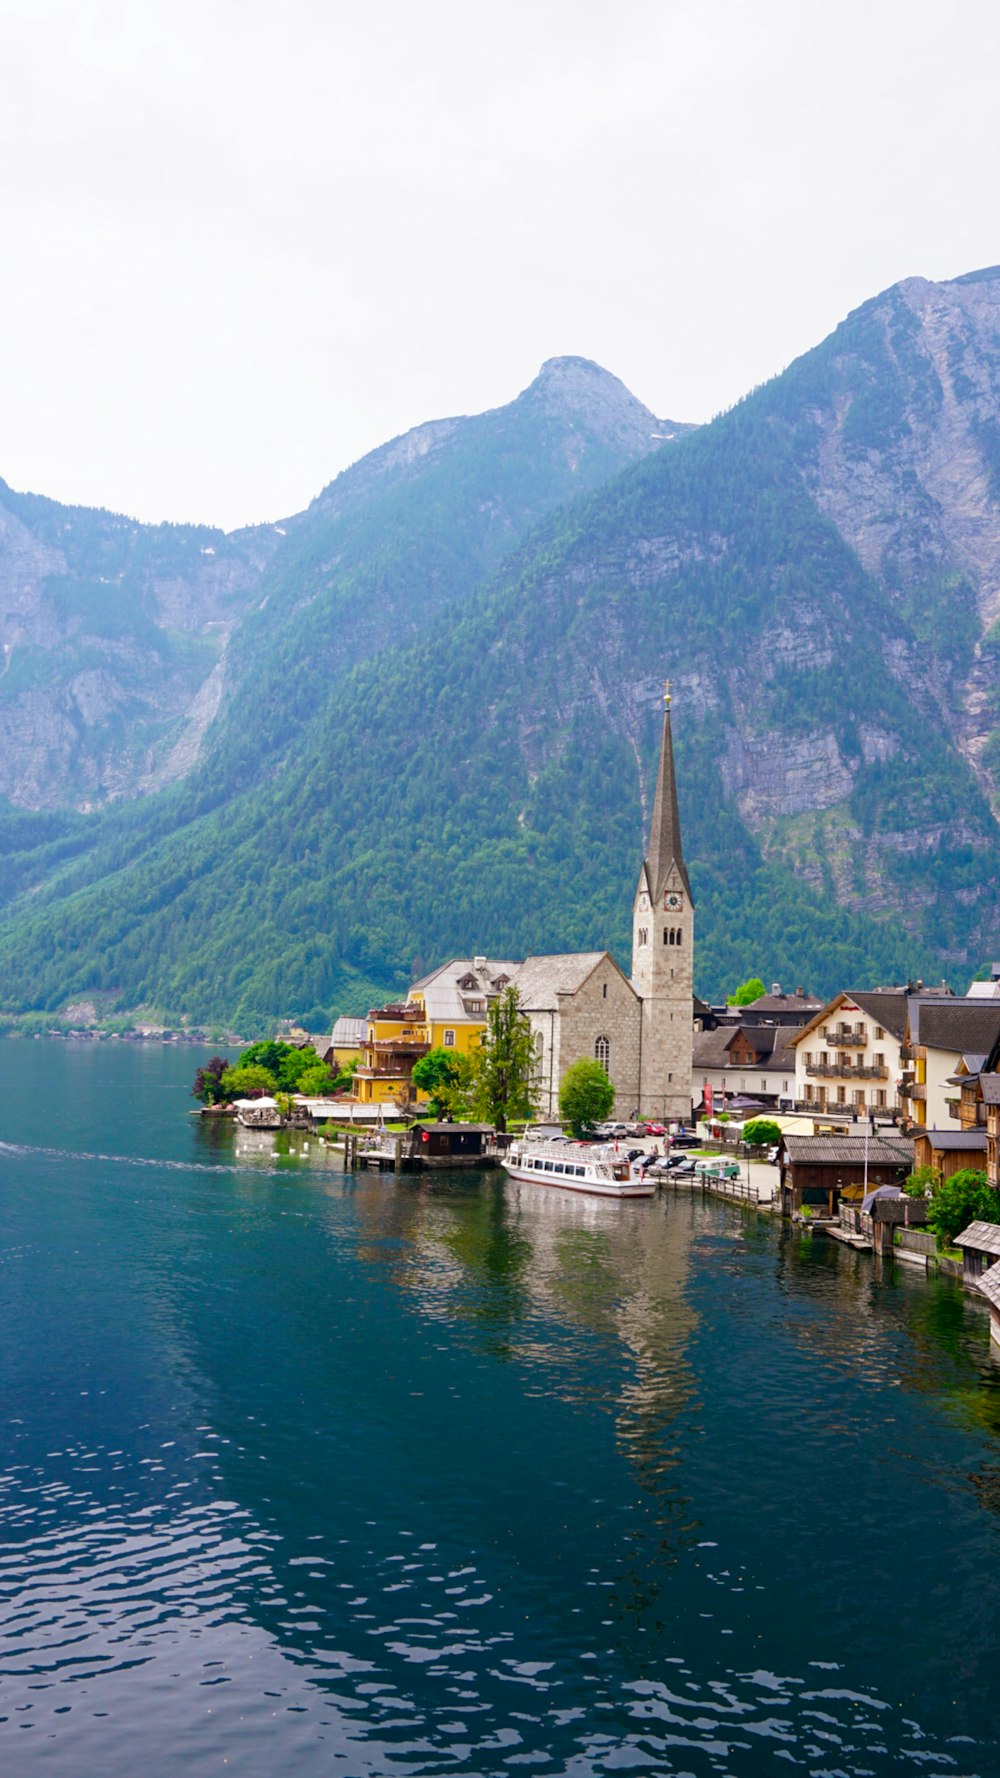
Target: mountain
[(111, 635), (122, 642), (816, 571)]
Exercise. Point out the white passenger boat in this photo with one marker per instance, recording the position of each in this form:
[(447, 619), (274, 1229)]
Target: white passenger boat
[(578, 1167)]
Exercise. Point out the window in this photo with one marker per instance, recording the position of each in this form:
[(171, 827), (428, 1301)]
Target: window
[(666, 935), (880, 1098), (449, 1040), (602, 1052), (859, 1099), (879, 1034), (605, 990), (879, 1059), (784, 1086)]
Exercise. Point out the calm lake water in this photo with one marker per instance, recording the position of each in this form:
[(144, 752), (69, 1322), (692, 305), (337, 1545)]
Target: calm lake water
[(312, 1473)]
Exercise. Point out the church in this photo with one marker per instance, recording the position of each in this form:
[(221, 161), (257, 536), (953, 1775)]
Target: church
[(581, 1004), (577, 1003)]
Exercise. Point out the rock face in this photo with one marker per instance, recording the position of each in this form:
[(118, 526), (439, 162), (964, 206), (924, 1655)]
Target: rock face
[(109, 632)]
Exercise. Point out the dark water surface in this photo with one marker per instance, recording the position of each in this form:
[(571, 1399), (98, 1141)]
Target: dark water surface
[(305, 1473)]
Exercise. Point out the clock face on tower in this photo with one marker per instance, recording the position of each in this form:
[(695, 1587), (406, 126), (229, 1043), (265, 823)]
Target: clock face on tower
[(672, 900)]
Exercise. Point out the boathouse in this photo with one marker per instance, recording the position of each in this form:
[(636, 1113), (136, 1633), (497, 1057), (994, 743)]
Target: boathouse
[(816, 1171), (452, 1145), (980, 1244)]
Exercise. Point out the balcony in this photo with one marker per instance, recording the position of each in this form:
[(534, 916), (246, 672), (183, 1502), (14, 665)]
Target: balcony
[(837, 1071), (844, 1040)]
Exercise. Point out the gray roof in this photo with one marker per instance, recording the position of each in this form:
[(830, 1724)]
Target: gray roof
[(445, 1001), (951, 1140), (989, 1284), (956, 1025), (981, 1237), (540, 980), (348, 1033), (711, 1047), (807, 1003), (849, 1151), (887, 1006), (664, 849)]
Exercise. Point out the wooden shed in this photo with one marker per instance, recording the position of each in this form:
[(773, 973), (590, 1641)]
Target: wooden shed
[(452, 1145), (949, 1151), (980, 1244), (816, 1171)]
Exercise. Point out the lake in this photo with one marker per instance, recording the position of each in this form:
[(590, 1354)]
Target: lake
[(311, 1472)]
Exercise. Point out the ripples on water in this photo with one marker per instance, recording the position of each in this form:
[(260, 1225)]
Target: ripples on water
[(370, 1477)]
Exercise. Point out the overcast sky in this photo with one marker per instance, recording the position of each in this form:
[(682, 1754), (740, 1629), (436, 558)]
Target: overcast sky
[(244, 241)]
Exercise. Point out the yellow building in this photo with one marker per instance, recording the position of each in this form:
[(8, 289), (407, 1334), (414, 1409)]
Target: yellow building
[(445, 1010)]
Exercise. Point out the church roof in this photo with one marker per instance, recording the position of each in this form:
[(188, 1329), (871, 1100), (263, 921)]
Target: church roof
[(664, 847), (540, 980)]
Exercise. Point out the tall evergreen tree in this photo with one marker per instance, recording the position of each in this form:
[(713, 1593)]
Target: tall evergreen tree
[(503, 1069)]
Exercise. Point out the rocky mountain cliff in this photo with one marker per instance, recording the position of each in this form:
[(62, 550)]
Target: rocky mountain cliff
[(122, 642), (417, 759)]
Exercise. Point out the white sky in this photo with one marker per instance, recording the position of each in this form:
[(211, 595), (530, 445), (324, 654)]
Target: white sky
[(244, 242)]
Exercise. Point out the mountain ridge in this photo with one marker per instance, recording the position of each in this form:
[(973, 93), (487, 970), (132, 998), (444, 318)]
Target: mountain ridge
[(815, 570)]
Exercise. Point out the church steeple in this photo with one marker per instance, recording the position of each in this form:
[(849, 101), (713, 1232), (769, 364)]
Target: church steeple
[(663, 951), (664, 850)]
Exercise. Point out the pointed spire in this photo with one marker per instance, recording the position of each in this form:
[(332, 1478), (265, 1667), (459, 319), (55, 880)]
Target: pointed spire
[(664, 847)]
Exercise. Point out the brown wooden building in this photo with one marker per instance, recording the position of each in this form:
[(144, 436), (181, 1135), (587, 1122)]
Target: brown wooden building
[(816, 1171)]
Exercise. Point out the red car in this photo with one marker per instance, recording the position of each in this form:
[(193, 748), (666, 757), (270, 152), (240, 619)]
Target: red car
[(655, 1130)]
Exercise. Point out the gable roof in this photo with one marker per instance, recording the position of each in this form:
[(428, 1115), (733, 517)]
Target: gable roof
[(806, 1003), (887, 1006), (445, 1001), (845, 1151), (956, 1025), (950, 1141), (980, 1237), (541, 980), (348, 1033)]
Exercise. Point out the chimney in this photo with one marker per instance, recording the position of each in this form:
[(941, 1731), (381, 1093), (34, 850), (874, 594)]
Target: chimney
[(776, 989), (801, 993)]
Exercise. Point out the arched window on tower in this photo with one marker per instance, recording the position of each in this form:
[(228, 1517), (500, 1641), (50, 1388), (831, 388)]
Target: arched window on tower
[(602, 1052)]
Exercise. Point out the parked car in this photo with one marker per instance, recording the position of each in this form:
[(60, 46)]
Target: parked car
[(654, 1129), (617, 1130), (772, 1155), (685, 1141), (682, 1164)]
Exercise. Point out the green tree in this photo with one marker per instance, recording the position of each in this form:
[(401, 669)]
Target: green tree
[(248, 1081), (747, 992), (922, 1182), (208, 1081), (503, 1067), (436, 1074), (761, 1132), (315, 1082), (585, 1095), (962, 1199)]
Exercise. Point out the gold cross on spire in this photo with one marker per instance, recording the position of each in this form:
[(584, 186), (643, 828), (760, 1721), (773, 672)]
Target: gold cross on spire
[(666, 694)]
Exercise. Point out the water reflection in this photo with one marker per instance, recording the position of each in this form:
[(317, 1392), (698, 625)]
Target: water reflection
[(431, 1475)]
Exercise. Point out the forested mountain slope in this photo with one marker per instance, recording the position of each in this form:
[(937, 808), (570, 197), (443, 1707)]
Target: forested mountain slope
[(817, 572)]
